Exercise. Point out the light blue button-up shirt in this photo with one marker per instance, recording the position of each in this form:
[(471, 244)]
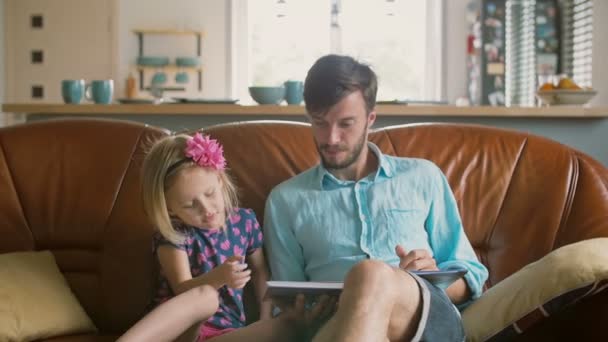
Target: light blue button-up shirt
[(317, 227)]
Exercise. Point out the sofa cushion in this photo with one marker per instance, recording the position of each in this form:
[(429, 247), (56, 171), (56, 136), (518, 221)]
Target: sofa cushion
[(83, 338), (539, 290), (35, 299)]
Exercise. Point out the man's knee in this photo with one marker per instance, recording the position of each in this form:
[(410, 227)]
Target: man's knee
[(374, 273), (370, 273)]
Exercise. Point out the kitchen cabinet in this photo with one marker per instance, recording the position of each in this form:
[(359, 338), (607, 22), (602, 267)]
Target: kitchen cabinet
[(50, 41)]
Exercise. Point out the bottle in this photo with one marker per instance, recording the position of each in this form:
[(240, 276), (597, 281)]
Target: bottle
[(131, 88)]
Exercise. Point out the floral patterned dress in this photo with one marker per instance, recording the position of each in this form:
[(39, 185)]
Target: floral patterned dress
[(208, 249)]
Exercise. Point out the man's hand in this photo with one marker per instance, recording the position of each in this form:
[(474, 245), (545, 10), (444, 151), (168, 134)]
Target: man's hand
[(233, 272), (415, 260)]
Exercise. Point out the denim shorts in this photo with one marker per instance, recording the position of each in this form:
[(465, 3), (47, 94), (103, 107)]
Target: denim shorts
[(440, 319)]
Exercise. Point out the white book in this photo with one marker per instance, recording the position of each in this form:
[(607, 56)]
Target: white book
[(276, 288), (291, 288)]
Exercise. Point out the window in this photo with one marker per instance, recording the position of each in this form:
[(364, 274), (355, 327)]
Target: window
[(547, 37), (400, 39), (577, 28)]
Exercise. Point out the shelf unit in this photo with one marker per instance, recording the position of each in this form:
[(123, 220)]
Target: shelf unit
[(169, 32), (170, 67)]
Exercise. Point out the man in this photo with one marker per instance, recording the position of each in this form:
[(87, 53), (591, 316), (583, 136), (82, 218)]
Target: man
[(366, 218)]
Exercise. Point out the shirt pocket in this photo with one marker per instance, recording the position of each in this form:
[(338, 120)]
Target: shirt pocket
[(405, 227)]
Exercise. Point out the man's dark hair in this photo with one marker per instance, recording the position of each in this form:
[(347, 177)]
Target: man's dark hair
[(333, 77)]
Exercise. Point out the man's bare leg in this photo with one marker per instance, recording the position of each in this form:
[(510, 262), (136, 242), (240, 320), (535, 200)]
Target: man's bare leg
[(277, 329), (378, 303)]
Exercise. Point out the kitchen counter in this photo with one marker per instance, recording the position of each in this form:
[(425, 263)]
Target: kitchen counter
[(272, 110)]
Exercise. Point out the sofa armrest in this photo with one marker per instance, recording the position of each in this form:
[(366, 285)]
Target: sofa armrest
[(583, 321), (538, 292)]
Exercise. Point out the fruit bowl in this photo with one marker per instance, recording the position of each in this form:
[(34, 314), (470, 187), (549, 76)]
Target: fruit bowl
[(565, 96)]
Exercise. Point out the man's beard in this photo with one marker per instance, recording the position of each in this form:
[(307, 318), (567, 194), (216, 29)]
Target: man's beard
[(351, 158)]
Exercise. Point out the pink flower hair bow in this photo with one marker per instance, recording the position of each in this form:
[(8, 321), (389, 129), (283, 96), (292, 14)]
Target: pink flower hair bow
[(206, 152)]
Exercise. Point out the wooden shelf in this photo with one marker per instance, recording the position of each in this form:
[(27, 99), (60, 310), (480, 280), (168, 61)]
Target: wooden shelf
[(574, 112), (169, 32), (170, 67)]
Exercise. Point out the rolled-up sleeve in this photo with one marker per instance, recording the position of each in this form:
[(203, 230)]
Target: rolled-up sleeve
[(285, 255), (448, 240)]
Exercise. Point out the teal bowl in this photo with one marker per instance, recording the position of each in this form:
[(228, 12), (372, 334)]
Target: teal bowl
[(267, 95), (181, 77), (159, 78), (187, 61), (153, 61)]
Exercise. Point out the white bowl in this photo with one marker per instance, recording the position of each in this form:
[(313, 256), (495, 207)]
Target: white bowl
[(565, 96)]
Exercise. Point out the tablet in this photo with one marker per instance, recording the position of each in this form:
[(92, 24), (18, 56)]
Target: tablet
[(441, 278), (308, 288)]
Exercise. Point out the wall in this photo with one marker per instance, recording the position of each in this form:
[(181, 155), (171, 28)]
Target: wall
[(455, 43), (2, 80), (209, 16), (600, 51)]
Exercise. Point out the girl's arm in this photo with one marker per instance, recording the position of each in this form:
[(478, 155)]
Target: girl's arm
[(176, 268), (260, 275)]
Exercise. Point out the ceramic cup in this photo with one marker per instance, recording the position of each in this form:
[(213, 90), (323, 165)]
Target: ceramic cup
[(294, 92), (72, 91), (100, 91)]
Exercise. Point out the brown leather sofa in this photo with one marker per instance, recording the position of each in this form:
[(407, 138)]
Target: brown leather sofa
[(72, 186)]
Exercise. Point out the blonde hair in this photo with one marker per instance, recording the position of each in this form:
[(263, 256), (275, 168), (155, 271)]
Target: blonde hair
[(166, 159)]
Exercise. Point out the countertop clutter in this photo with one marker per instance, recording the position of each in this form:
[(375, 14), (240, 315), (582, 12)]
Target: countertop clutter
[(235, 109)]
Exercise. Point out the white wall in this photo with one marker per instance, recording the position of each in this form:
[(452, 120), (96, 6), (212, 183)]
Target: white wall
[(2, 115), (208, 15), (456, 45)]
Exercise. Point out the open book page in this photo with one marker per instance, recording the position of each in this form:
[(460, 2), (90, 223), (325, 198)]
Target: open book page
[(441, 279)]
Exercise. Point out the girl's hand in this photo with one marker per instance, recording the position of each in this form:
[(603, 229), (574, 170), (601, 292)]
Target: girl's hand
[(234, 273)]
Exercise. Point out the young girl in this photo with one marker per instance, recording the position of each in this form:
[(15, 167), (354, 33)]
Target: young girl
[(207, 247)]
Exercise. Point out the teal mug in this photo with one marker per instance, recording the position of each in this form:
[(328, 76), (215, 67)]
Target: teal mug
[(72, 91), (100, 91), (294, 92)]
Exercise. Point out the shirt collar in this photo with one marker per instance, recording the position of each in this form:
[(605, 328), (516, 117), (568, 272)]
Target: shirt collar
[(324, 177)]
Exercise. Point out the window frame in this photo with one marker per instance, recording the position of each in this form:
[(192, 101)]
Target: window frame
[(239, 74)]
